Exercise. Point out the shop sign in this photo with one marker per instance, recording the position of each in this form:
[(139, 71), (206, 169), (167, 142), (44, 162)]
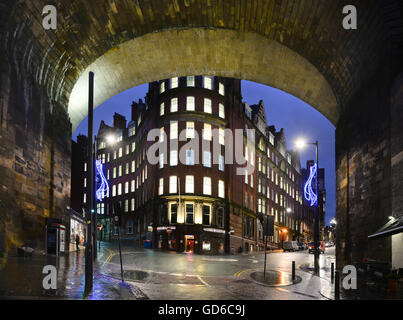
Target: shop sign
[(213, 230)]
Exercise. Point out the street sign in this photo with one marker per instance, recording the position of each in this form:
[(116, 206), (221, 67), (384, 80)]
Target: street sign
[(99, 227)]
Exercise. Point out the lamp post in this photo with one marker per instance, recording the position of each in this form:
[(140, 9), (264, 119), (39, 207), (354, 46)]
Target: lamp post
[(300, 144), (90, 179)]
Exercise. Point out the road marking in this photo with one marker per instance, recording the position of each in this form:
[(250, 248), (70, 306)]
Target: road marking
[(238, 274), (204, 282), (219, 259)]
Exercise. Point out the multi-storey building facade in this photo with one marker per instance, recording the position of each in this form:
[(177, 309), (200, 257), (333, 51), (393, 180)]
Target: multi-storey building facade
[(196, 196)]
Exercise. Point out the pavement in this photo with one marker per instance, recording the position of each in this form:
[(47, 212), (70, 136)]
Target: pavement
[(22, 277), (158, 275)]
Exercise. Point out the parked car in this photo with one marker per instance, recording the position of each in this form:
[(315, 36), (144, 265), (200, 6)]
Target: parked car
[(302, 246), (311, 247), (329, 244), (290, 246)]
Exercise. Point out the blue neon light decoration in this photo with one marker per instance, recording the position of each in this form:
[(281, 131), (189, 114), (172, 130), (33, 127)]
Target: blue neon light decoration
[(309, 194), (104, 187)]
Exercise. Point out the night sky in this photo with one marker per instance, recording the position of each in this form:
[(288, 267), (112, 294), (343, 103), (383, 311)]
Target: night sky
[(282, 110)]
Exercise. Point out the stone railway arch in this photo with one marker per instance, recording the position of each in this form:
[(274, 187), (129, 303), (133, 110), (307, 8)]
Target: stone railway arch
[(353, 77)]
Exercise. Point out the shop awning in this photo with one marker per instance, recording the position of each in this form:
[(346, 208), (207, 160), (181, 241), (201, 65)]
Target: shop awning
[(393, 226)]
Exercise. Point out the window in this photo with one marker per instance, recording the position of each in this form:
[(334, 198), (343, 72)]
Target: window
[(173, 159), (221, 88), (221, 111), (173, 131), (190, 129), (126, 205), (221, 163), (221, 136), (162, 109), (206, 215), (133, 186), (207, 159), (190, 81), (133, 146), (174, 104), (132, 131), (207, 105), (120, 170), (189, 186), (113, 190), (221, 188), (162, 86), (120, 152), (127, 168), (161, 186), (173, 184), (207, 185), (190, 103), (174, 212), (162, 134), (189, 213), (207, 134), (119, 189), (174, 82), (126, 187), (161, 160), (132, 204), (133, 166), (208, 82), (190, 161), (129, 225)]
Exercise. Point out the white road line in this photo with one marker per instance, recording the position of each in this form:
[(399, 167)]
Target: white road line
[(204, 282)]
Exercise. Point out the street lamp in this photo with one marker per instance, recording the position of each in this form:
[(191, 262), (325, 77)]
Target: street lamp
[(312, 197)]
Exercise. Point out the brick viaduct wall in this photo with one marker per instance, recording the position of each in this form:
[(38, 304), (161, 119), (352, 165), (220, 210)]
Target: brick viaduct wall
[(369, 177), (35, 144)]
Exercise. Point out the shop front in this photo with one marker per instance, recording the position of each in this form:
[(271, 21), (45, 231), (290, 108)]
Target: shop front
[(77, 227), (191, 239)]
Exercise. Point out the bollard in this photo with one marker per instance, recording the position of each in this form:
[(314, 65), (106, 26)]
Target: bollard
[(293, 271), (332, 272), (337, 285)]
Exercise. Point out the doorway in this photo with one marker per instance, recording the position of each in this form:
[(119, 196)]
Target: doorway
[(189, 243)]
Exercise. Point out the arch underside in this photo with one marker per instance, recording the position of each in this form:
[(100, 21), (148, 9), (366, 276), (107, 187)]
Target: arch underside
[(203, 51)]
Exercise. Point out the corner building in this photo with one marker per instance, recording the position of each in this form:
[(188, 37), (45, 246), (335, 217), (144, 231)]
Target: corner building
[(191, 199)]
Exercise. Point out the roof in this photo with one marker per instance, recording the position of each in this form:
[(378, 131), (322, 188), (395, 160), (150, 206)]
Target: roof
[(393, 226)]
